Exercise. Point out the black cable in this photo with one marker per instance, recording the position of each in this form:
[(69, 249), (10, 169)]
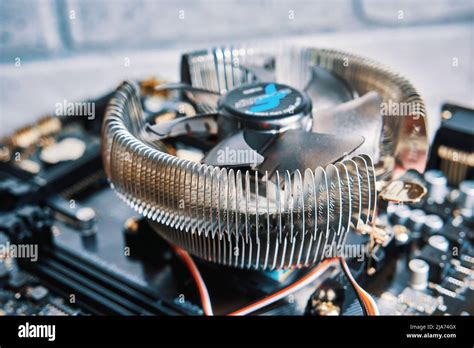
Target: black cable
[(348, 276)]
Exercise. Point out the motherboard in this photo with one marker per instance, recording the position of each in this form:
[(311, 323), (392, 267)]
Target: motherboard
[(72, 246)]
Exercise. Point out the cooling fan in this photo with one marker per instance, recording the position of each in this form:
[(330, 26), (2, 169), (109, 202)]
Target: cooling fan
[(299, 138)]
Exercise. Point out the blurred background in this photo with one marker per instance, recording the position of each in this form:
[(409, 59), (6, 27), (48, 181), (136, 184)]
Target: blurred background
[(55, 50)]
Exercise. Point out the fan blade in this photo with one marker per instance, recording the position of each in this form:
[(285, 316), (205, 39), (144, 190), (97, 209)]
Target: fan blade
[(203, 123), (235, 151), (327, 90), (361, 116), (298, 149)]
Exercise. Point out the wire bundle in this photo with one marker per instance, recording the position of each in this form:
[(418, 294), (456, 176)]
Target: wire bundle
[(368, 304)]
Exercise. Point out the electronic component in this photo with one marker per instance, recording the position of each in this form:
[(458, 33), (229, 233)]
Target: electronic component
[(400, 214), (432, 224), (452, 150), (166, 150), (439, 242), (399, 191), (327, 300), (466, 199), (420, 301), (38, 293), (251, 185), (416, 220), (74, 213), (456, 235), (419, 273), (437, 261), (437, 185), (66, 150)]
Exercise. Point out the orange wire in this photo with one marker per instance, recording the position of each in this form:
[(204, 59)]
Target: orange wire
[(203, 293), (309, 277), (322, 266), (371, 310)]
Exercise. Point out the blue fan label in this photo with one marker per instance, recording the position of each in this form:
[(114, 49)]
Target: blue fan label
[(264, 99)]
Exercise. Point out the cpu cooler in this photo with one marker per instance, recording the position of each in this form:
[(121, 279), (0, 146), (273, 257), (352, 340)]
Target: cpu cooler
[(299, 137)]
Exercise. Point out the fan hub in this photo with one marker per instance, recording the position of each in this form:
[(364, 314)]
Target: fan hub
[(266, 106)]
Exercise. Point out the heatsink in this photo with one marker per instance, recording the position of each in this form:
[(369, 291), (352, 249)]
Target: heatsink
[(257, 215)]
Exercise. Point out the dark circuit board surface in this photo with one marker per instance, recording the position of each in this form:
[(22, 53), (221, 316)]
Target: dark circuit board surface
[(90, 254)]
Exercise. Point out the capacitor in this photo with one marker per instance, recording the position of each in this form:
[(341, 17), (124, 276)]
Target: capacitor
[(439, 242), (433, 223), (400, 215), (416, 220), (466, 198), (419, 274), (85, 215), (437, 185), (74, 213), (402, 235)]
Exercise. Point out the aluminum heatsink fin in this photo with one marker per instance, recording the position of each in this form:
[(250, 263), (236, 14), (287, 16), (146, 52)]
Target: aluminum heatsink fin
[(361, 116), (259, 219), (219, 70), (256, 224), (232, 217), (223, 68)]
